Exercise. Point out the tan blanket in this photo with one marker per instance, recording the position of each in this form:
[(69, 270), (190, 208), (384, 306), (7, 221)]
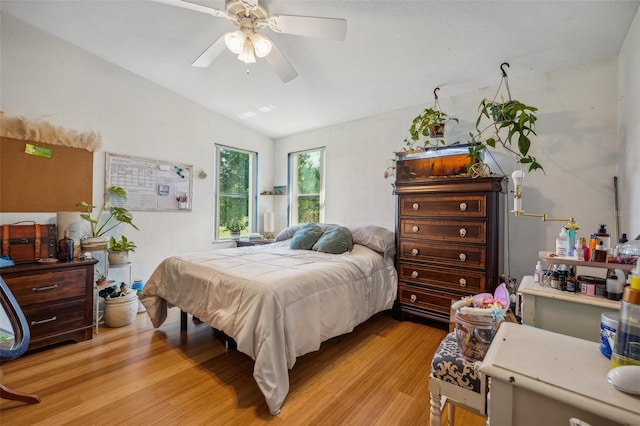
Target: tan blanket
[(276, 303)]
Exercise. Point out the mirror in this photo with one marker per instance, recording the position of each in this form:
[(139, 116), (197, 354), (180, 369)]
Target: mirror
[(14, 338)]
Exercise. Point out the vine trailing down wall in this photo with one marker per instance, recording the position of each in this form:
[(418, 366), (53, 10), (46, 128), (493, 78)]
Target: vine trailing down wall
[(45, 132)]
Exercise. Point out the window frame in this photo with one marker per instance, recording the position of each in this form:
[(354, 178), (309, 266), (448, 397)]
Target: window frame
[(252, 196), (292, 210)]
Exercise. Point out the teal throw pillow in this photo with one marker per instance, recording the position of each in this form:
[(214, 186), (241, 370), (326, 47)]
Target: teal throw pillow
[(305, 237), (335, 240)]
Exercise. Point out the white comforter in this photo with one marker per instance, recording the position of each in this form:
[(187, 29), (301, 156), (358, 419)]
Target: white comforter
[(276, 303)]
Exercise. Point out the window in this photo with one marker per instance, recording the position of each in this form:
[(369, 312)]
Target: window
[(236, 194), (306, 180)]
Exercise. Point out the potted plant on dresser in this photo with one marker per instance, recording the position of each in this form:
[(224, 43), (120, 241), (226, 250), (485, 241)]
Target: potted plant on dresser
[(105, 218), (119, 250)]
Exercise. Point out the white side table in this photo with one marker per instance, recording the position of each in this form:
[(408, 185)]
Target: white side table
[(544, 378), (573, 314)]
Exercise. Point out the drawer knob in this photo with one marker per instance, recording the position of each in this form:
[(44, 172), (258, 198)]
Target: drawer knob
[(463, 207), (463, 232), (45, 288), (414, 274), (463, 282), (416, 206), (415, 228), (462, 257), (414, 252), (414, 297)]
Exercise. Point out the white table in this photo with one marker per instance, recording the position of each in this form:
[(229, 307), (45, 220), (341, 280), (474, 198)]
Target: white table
[(573, 314), (544, 378)]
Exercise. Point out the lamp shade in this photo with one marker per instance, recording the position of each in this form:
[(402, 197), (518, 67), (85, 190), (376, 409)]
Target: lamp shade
[(517, 177), (261, 44), (235, 41)]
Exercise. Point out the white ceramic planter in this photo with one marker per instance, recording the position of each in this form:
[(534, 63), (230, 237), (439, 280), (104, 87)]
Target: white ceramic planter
[(118, 257), (94, 243)]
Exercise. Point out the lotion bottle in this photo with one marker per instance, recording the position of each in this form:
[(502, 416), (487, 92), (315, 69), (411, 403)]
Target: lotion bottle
[(537, 274), (561, 243)]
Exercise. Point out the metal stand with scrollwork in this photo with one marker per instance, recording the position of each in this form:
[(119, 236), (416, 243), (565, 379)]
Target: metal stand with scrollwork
[(15, 334)]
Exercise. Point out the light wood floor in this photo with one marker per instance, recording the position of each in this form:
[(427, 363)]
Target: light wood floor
[(138, 375)]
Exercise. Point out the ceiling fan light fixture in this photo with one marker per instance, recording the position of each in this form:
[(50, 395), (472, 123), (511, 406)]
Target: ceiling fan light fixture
[(246, 55), (261, 44), (235, 41)]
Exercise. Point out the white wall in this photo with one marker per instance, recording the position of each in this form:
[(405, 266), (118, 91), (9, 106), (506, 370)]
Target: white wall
[(45, 78), (576, 144), (42, 77), (629, 112)]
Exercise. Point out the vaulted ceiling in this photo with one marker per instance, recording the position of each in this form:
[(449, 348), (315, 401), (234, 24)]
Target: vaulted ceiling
[(395, 52)]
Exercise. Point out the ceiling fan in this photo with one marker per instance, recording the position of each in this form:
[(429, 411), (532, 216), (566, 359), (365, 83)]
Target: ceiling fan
[(251, 16)]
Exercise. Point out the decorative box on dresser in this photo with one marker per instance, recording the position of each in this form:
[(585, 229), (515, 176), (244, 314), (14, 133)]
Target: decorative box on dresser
[(449, 242), (56, 298)]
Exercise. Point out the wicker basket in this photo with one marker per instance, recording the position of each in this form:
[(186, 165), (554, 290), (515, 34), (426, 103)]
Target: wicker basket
[(121, 311)]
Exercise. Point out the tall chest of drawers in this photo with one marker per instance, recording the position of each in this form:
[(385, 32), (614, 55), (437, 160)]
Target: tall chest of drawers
[(449, 242), (56, 299)]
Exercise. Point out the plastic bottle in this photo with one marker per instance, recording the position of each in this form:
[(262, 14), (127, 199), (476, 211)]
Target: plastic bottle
[(571, 242), (593, 243), (561, 243), (603, 235), (626, 349), (537, 274), (579, 250), (600, 253), (585, 249), (615, 285), (621, 241)]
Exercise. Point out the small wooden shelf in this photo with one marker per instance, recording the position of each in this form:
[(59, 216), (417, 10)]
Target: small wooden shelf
[(551, 258)]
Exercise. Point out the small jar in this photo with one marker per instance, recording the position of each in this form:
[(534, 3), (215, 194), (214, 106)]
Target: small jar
[(555, 280)]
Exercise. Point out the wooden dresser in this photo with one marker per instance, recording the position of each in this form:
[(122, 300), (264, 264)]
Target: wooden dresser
[(56, 298), (449, 242)]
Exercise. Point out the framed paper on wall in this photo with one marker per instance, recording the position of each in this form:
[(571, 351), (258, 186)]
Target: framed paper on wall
[(151, 184)]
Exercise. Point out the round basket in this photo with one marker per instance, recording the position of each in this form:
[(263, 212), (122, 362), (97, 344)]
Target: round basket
[(121, 311)]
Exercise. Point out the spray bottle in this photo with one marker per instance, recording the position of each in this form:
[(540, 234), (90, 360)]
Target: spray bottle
[(626, 349)]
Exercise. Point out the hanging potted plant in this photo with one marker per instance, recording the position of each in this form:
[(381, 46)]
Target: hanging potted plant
[(103, 219), (426, 132), (119, 250), (511, 125), (235, 226)]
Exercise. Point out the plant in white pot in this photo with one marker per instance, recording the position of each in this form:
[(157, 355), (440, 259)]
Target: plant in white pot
[(119, 250), (235, 226), (103, 219)]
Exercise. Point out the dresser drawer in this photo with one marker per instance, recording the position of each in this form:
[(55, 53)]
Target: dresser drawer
[(443, 205), (471, 282), (48, 287), (445, 254), (423, 298), (55, 318), (470, 231)]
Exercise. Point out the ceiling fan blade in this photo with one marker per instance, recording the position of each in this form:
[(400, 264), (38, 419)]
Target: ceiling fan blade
[(280, 65), (329, 28), (210, 54), (194, 6)]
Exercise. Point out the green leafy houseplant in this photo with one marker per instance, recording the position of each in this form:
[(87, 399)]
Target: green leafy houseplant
[(512, 124), (236, 225), (103, 219), (123, 244), (429, 124)]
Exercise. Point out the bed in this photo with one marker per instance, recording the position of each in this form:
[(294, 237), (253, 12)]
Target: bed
[(276, 302)]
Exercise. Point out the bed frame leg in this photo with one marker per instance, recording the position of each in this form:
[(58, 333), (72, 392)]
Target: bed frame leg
[(183, 320)]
